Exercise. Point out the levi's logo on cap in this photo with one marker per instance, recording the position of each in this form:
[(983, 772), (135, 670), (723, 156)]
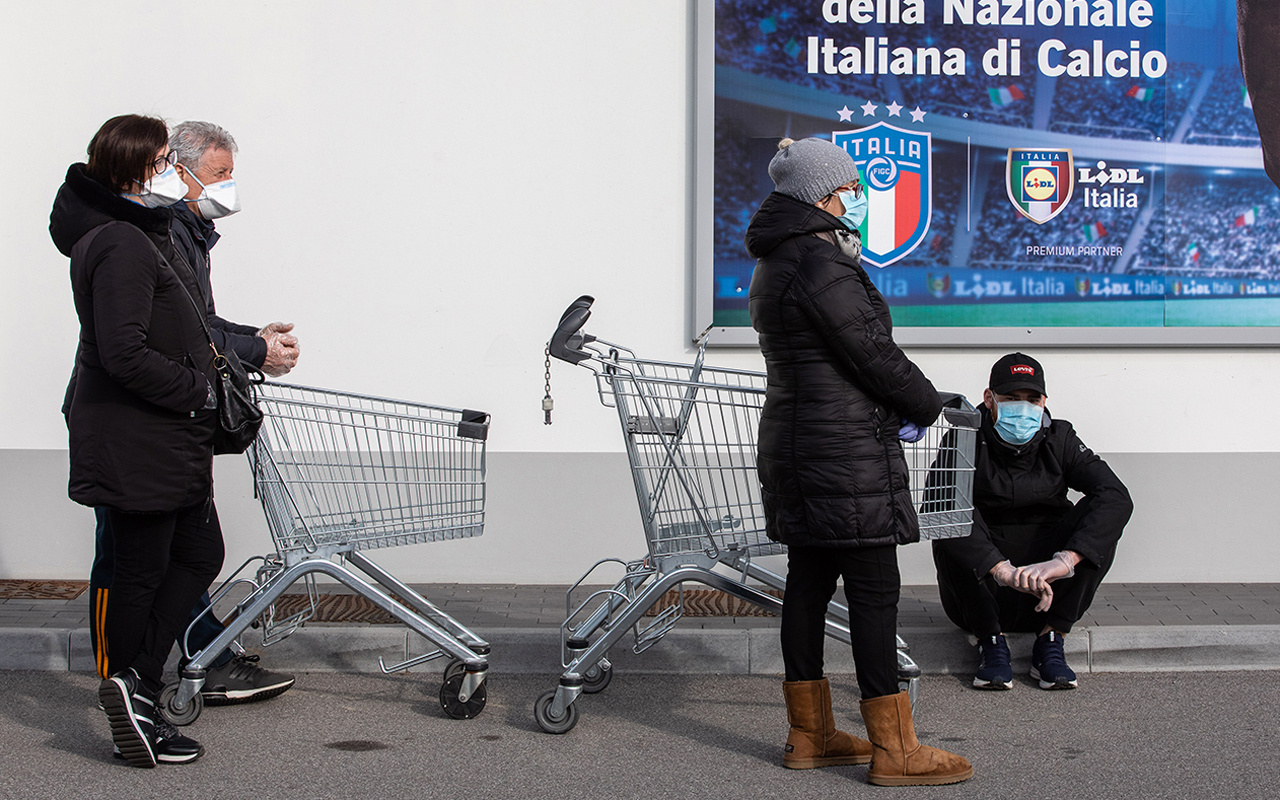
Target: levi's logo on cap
[(1016, 371)]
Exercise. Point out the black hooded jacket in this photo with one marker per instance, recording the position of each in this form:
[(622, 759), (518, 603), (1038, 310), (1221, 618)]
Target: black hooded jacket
[(139, 437), (1020, 494), (830, 462), (195, 237)]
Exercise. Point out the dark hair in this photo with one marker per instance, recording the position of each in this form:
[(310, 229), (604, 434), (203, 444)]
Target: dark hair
[(122, 150)]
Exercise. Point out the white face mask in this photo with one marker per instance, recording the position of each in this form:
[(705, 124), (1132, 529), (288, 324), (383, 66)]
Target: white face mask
[(163, 189), (217, 200)]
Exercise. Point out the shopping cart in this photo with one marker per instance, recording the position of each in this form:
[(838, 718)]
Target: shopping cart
[(690, 432), (339, 474)]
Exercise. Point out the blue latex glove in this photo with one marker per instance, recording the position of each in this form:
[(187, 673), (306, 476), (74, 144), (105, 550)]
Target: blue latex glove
[(911, 432)]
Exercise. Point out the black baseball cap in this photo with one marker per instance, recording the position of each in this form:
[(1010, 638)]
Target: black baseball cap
[(1016, 371)]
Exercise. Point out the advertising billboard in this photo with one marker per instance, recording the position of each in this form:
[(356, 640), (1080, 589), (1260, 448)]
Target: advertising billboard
[(1043, 171)]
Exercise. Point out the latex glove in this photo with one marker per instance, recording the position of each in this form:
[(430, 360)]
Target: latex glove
[(911, 432), (1006, 574), (281, 328), (1058, 567), (282, 349)]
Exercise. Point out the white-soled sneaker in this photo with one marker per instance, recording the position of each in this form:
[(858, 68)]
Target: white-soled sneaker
[(1049, 663), (241, 680), (131, 711)]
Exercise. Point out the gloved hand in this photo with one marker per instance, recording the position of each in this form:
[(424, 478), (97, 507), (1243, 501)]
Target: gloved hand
[(911, 432), (282, 349), (1006, 574), (1060, 566)]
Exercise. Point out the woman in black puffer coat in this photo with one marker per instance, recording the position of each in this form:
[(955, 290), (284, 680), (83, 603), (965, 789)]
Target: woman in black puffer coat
[(831, 465), (140, 417)]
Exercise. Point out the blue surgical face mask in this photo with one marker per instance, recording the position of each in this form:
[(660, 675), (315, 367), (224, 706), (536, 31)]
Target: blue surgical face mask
[(855, 207), (1017, 421)]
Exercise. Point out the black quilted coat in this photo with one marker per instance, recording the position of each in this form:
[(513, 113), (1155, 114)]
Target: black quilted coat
[(830, 461), (140, 438)]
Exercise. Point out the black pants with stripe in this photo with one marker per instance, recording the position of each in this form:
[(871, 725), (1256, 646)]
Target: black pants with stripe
[(197, 637), (872, 585), (162, 563)]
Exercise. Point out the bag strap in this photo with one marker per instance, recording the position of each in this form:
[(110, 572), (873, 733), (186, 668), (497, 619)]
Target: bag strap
[(201, 314), (81, 247)]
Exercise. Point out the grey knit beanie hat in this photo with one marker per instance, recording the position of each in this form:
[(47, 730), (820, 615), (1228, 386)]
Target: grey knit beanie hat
[(809, 169)]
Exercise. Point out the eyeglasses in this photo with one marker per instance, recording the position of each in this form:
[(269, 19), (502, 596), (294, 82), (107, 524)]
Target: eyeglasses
[(164, 162), (856, 189)]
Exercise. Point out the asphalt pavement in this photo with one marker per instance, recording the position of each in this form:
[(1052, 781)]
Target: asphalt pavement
[(1120, 735)]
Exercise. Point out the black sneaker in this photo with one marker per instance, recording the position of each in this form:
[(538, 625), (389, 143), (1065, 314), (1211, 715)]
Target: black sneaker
[(1049, 663), (995, 670), (241, 680), (170, 746), (131, 711)]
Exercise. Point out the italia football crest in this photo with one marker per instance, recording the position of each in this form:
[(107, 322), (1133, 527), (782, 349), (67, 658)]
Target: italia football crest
[(1039, 182), (897, 171)]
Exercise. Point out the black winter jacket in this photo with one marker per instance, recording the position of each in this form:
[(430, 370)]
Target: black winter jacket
[(140, 439), (830, 462), (195, 237), (1021, 492)]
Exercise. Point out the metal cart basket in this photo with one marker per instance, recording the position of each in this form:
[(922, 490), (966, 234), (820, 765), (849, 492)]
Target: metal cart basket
[(690, 432), (339, 474)]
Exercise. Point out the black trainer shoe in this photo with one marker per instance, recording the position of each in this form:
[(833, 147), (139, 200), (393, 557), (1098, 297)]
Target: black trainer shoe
[(1049, 663), (131, 711), (995, 670), (241, 680), (170, 746)]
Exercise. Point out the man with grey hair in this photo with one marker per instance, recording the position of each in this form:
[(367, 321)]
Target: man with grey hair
[(206, 161)]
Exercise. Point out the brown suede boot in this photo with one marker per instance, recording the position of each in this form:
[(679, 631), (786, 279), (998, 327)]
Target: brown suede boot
[(814, 740), (898, 758)]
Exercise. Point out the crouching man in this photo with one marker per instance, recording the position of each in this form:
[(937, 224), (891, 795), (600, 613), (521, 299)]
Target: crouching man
[(1035, 559)]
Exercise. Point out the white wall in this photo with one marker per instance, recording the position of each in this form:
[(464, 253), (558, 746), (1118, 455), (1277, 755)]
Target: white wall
[(426, 185)]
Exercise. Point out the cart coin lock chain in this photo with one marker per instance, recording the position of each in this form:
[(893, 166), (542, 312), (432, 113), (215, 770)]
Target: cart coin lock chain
[(547, 402)]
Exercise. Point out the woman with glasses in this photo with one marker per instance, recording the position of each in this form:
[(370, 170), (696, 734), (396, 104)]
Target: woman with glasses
[(840, 395), (141, 420)]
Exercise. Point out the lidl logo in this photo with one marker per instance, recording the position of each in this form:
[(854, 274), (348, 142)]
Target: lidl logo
[(1039, 182)]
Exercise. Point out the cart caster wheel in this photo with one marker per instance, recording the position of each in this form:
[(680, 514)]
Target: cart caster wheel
[(542, 713), (456, 708), (454, 667), (187, 715), (597, 678)]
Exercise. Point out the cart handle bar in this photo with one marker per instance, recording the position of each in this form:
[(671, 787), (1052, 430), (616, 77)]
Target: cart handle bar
[(959, 411), (566, 343)]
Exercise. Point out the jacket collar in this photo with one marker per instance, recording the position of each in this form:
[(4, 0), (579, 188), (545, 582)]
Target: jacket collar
[(781, 217), (102, 199), (198, 225)]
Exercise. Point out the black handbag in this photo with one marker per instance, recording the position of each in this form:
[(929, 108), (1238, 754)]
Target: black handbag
[(239, 416)]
